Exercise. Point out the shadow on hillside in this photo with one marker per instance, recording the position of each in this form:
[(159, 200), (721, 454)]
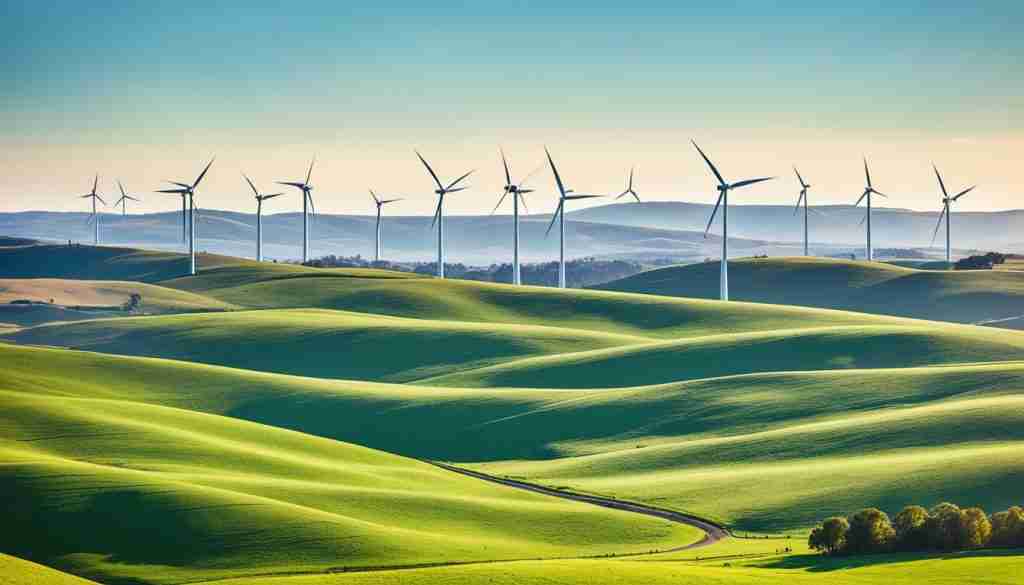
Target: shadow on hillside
[(820, 563)]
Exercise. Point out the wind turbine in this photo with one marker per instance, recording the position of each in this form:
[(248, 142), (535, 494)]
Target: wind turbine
[(868, 192), (307, 204), (94, 219), (629, 189), (559, 214), (802, 198), (723, 200), (259, 216), (123, 201), (946, 200), (380, 203), (517, 192), (441, 191), (186, 190)]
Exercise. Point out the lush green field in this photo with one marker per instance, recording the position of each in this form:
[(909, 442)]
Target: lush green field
[(870, 287), (278, 437), (15, 571)]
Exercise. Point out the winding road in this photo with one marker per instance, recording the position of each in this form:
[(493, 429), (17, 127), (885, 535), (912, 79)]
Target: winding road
[(712, 532)]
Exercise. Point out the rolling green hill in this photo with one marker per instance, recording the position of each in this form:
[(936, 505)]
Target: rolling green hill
[(870, 287), (119, 490)]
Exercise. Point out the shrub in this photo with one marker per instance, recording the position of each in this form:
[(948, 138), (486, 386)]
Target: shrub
[(911, 533), (943, 527), (870, 531), (1008, 527), (830, 537), (975, 528)]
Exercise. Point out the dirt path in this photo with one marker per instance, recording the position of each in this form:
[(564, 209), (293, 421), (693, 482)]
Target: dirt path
[(712, 532)]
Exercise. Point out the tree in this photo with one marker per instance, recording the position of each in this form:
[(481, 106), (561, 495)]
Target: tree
[(870, 531), (943, 527), (830, 537), (975, 528), (911, 533), (1008, 527)]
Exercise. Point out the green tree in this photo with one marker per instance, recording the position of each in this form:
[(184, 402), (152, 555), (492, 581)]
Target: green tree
[(830, 537), (943, 527), (870, 531), (911, 533), (975, 528), (1008, 527)]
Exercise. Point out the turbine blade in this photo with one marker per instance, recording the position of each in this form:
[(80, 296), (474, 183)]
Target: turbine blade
[(937, 224), (101, 199), (203, 174), (630, 179), (309, 173), (459, 180), (312, 206), (799, 200), (879, 193), (941, 183), (272, 195), (504, 161), (291, 184), (635, 196), (120, 186), (964, 192), (863, 219), (95, 182), (430, 170), (251, 186), (437, 213), (530, 175), (386, 201), (579, 196), (175, 191), (523, 201), (456, 190), (713, 212), (621, 195), (749, 182), (558, 179), (714, 170), (554, 216), (182, 185), (500, 201), (863, 195), (799, 178), (374, 195), (867, 173)]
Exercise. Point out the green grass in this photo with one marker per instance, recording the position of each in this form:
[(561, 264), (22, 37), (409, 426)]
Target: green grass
[(15, 571), (870, 287), (983, 568), (119, 490)]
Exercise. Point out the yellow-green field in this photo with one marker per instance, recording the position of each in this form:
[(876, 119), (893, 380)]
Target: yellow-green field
[(275, 432)]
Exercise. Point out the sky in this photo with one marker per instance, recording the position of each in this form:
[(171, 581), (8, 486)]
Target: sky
[(149, 91)]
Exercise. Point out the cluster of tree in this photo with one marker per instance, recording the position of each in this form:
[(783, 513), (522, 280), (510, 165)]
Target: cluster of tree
[(899, 253), (945, 527), (981, 262), (578, 273)]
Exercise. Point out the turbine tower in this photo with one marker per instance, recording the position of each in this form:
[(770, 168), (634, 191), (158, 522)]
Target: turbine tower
[(307, 205), (259, 216), (946, 200), (802, 198), (559, 214), (186, 190), (629, 189), (723, 201), (123, 201), (380, 203), (441, 191), (868, 192), (517, 192), (94, 218)]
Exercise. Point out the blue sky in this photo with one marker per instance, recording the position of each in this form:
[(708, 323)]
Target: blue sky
[(147, 90)]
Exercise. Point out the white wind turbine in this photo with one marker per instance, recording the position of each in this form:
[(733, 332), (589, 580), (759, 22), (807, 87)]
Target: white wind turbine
[(379, 203), (441, 191), (94, 218), (123, 200), (259, 216), (723, 201), (517, 192), (946, 212), (804, 187), (307, 205), (868, 192), (559, 214), (186, 190), (629, 189)]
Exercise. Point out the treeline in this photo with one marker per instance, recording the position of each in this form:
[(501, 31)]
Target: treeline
[(578, 273), (980, 262), (945, 527)]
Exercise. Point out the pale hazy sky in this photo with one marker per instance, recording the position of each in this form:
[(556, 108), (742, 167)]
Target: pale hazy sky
[(149, 91)]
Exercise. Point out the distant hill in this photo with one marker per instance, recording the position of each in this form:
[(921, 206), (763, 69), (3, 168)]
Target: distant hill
[(870, 287)]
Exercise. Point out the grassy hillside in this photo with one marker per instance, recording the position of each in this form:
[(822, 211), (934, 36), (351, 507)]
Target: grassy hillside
[(328, 344), (789, 448), (871, 287), (93, 476), (15, 571)]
